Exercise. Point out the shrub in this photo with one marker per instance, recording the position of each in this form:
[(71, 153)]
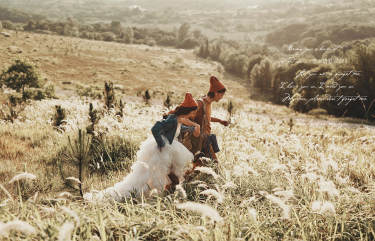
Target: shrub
[(89, 91), (188, 43), (167, 40), (8, 25), (310, 85), (261, 75), (109, 95), (116, 27), (39, 93), (111, 154), (203, 51), (363, 61), (30, 26), (128, 35), (108, 36), (94, 119), (147, 97), (256, 59), (297, 103), (21, 74), (309, 42), (236, 64), (59, 117), (286, 35), (150, 41), (283, 81), (359, 75), (183, 32)]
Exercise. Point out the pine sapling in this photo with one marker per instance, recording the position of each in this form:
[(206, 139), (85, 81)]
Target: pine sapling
[(59, 117), (94, 119), (121, 109), (109, 95), (167, 102), (230, 110), (147, 97)]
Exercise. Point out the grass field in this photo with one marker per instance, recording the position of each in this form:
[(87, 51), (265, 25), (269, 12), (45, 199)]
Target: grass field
[(281, 176)]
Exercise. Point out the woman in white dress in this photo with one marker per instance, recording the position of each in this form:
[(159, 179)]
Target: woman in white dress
[(161, 160)]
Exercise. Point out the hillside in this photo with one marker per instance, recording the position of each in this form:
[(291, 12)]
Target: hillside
[(282, 175)]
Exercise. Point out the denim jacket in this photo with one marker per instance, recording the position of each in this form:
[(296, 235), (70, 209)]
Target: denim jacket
[(167, 128)]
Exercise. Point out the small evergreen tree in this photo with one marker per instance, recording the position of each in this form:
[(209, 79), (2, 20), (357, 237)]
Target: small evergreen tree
[(109, 95), (94, 119), (59, 116), (121, 106), (167, 102), (147, 97), (183, 32), (261, 75)]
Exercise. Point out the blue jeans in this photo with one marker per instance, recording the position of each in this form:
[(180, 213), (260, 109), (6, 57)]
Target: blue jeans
[(211, 140)]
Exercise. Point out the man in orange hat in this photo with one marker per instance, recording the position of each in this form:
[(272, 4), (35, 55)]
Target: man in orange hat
[(206, 142)]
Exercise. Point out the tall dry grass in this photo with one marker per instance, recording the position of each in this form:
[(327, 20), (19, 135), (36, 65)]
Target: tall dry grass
[(313, 181)]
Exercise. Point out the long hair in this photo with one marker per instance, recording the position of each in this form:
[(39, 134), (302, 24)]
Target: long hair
[(212, 94), (180, 111)]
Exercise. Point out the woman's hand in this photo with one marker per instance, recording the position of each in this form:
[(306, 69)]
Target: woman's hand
[(224, 122)]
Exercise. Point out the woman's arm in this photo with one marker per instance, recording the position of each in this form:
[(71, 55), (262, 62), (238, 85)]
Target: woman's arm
[(188, 122), (223, 122), (156, 132)]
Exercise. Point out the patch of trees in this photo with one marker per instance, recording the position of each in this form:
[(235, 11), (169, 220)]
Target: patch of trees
[(17, 16), (342, 89), (312, 36)]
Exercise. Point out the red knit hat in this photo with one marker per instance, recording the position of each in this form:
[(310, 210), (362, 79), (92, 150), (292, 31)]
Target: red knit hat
[(215, 84), (189, 101)]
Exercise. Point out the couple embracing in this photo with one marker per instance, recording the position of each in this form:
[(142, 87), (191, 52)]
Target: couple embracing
[(162, 159)]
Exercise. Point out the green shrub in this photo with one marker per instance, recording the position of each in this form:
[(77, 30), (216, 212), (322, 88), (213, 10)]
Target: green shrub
[(255, 59), (359, 79), (39, 93), (15, 99), (286, 35), (59, 117), (188, 43), (203, 50), (363, 61), (261, 75), (167, 41), (111, 154), (89, 91), (128, 35), (108, 36), (20, 75), (183, 32), (297, 103), (283, 81), (109, 95), (309, 42), (116, 27), (310, 86)]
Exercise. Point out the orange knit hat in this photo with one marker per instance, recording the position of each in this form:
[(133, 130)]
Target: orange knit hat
[(215, 84), (189, 101)]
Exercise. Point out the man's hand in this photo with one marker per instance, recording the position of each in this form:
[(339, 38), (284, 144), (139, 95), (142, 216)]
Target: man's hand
[(224, 122)]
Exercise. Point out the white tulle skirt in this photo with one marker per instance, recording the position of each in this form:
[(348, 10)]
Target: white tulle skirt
[(150, 170)]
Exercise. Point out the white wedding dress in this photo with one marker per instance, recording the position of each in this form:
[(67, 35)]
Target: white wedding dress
[(150, 170)]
